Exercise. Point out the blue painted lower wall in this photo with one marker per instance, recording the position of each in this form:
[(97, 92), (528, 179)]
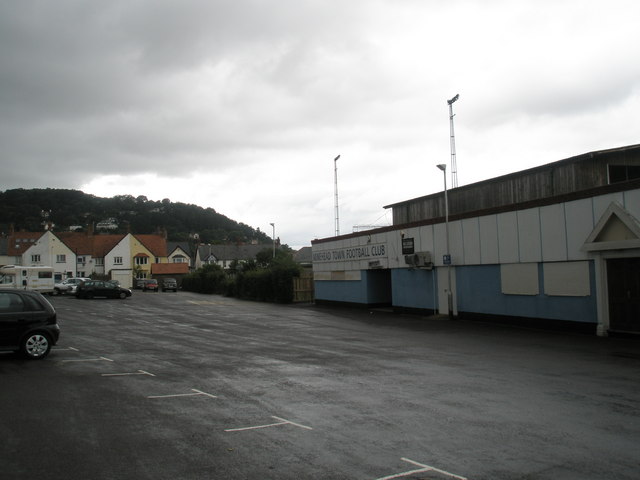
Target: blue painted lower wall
[(479, 291), (374, 288), (414, 288)]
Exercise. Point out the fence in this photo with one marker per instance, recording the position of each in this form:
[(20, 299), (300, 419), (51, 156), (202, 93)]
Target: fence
[(303, 288)]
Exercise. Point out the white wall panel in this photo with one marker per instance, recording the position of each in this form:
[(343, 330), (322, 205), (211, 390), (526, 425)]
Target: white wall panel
[(508, 237), (489, 250), (601, 203), (632, 203), (440, 245), (579, 217), (394, 244), (456, 242), (471, 236), (554, 234), (529, 242), (424, 239)]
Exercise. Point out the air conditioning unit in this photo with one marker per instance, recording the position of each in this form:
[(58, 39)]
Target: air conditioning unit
[(410, 259), (419, 259)]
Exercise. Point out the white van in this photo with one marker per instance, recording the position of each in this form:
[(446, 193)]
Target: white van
[(27, 278)]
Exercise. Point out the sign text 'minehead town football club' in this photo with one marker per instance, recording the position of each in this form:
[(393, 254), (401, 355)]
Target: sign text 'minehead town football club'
[(351, 253)]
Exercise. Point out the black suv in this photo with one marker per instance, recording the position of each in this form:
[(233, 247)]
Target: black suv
[(28, 323)]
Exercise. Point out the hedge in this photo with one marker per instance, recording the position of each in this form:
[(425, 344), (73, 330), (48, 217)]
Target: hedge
[(272, 284)]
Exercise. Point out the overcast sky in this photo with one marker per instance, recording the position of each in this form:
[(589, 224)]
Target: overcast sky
[(242, 105)]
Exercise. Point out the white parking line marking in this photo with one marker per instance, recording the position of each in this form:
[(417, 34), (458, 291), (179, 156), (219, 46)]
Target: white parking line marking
[(196, 393), (292, 423), (424, 468), (139, 372), (281, 422), (100, 359), (204, 393)]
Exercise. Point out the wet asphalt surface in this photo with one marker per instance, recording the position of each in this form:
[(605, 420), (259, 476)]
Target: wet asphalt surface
[(187, 386)]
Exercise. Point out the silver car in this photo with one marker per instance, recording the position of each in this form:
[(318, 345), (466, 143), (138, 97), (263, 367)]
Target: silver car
[(68, 285)]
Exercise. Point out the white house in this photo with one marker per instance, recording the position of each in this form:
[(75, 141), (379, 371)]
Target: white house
[(118, 262), (49, 250)]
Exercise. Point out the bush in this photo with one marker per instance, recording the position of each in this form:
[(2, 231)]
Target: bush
[(208, 279), (274, 284), (271, 283)]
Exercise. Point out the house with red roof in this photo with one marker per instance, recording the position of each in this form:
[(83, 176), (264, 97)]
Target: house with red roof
[(71, 254)]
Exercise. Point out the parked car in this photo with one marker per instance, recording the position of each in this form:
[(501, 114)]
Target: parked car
[(99, 288), (149, 284), (28, 323), (68, 285), (169, 284)]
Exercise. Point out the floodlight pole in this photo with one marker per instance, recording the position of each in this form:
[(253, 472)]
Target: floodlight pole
[(452, 140), (335, 175)]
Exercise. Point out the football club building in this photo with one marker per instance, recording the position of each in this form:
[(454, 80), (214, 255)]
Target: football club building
[(552, 246)]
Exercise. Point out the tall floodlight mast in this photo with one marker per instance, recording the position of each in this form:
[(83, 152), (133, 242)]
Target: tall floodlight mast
[(454, 167), (335, 175)]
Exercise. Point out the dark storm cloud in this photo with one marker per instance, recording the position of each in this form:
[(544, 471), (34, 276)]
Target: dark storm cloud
[(112, 85)]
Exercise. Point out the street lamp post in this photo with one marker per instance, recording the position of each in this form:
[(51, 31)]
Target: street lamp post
[(447, 256), (273, 225)]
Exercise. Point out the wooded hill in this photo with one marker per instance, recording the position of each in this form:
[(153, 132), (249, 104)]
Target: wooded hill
[(31, 209)]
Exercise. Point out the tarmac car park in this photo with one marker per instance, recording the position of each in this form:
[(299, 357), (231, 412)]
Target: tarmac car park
[(193, 387)]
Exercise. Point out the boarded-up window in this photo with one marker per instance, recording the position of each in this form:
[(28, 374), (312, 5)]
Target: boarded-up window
[(569, 279), (519, 279)]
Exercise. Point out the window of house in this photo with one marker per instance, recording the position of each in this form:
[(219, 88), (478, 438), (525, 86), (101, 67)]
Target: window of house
[(35, 258), (81, 260), (142, 260), (99, 262), (61, 258), (117, 260), (179, 259)]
